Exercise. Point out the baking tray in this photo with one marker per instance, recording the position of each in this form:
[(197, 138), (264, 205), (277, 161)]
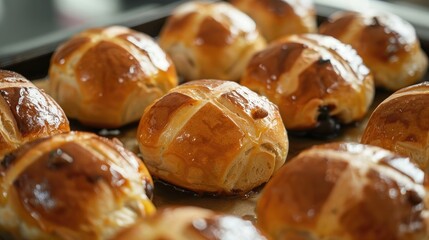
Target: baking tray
[(164, 194)]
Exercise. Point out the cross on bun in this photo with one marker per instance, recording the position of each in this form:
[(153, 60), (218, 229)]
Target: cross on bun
[(401, 124), (387, 44), (27, 112), (315, 80), (346, 191), (212, 136), (210, 40), (106, 77), (72, 186), (190, 223), (277, 18)]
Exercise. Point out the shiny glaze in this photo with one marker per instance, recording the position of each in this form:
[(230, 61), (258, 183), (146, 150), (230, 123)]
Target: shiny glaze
[(109, 84), (288, 16), (210, 40), (344, 56), (181, 134), (200, 140), (68, 167), (379, 156), (159, 116), (213, 33), (300, 190), (330, 69), (34, 112), (250, 103), (278, 7), (177, 22), (148, 47), (194, 223), (386, 36), (97, 74), (28, 113), (337, 24), (211, 29), (66, 51), (68, 183), (268, 65), (300, 8), (400, 124), (391, 43), (368, 220), (219, 25), (364, 212)]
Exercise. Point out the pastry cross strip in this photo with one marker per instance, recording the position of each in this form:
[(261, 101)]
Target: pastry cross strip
[(5, 85)]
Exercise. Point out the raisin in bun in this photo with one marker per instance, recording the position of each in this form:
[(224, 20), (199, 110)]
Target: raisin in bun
[(106, 77), (213, 136), (387, 44), (190, 223), (72, 186), (210, 40), (27, 112), (401, 124), (276, 18), (346, 191), (316, 81)]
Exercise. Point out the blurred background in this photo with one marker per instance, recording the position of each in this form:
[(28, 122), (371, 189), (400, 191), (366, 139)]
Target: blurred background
[(31, 30)]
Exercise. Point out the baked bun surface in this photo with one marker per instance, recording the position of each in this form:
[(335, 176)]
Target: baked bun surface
[(401, 124), (346, 191), (210, 40), (312, 79), (190, 223), (106, 77), (277, 18), (72, 186), (213, 136), (387, 44), (27, 113)]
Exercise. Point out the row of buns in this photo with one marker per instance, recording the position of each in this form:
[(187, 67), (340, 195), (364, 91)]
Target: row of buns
[(77, 185), (212, 136), (106, 77)]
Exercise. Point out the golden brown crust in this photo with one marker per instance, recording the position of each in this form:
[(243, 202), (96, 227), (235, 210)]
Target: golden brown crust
[(75, 186), (277, 18), (210, 40), (303, 73), (212, 136), (345, 191), (105, 77), (400, 124), (27, 112), (190, 223), (388, 45)]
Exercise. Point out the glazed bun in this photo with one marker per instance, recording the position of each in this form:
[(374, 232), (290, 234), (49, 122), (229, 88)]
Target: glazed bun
[(106, 77), (400, 123), (27, 112), (191, 223), (315, 80), (213, 136), (345, 191), (210, 40), (387, 44), (277, 18), (72, 186)]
